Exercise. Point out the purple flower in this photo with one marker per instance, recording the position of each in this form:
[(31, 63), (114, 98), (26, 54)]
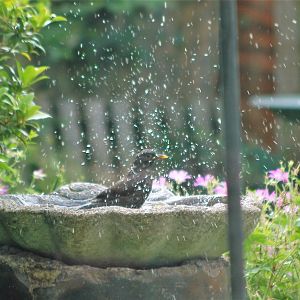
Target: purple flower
[(179, 176), (279, 175), (3, 189), (203, 180), (39, 174), (221, 188), (159, 183)]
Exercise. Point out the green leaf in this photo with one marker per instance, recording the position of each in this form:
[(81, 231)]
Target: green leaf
[(11, 100), (281, 219), (3, 74), (26, 101), (26, 55), (55, 18), (3, 158), (39, 79), (23, 132), (30, 75), (19, 70), (33, 134), (36, 45), (31, 112), (3, 90), (39, 116), (5, 166), (7, 102), (256, 270), (258, 237)]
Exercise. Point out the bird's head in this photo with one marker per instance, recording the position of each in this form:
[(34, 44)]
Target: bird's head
[(146, 159)]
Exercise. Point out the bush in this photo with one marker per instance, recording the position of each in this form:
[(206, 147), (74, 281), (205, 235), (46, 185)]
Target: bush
[(21, 22), (273, 250)]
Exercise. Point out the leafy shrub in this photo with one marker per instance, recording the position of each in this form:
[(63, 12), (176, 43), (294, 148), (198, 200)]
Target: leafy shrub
[(21, 22), (273, 250)]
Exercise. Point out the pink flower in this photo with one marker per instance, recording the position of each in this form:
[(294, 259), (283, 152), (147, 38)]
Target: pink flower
[(179, 176), (265, 195), (262, 193), (289, 209), (279, 202), (271, 198), (221, 188), (279, 175), (39, 174), (203, 180), (270, 250), (3, 189), (161, 182)]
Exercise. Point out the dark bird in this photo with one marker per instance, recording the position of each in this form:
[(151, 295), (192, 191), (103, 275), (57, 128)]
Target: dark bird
[(133, 190)]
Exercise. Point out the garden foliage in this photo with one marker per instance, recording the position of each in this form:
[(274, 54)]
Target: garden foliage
[(21, 22), (273, 250)]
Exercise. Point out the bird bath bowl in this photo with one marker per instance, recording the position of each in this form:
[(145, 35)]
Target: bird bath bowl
[(166, 231)]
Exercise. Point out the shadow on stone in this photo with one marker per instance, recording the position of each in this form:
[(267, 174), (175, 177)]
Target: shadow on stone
[(10, 287)]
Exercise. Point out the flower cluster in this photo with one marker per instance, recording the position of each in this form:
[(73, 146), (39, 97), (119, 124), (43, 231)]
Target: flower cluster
[(280, 184), (207, 182), (276, 191), (279, 175), (272, 197)]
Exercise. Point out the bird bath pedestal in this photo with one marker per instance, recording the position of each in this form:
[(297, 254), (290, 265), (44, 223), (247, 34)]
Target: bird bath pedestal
[(169, 249)]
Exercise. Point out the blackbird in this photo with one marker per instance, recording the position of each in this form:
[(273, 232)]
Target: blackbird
[(133, 189)]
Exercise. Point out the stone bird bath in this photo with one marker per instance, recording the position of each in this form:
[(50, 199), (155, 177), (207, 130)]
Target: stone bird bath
[(169, 249), (166, 231)]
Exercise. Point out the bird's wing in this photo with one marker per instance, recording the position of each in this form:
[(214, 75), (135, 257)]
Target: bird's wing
[(122, 187)]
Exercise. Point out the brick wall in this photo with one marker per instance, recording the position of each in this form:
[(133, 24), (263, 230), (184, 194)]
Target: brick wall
[(257, 61)]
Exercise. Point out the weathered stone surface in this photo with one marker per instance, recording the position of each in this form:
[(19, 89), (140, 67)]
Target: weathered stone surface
[(24, 275), (80, 190), (158, 234)]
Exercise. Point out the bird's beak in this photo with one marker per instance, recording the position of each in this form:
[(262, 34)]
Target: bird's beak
[(162, 156)]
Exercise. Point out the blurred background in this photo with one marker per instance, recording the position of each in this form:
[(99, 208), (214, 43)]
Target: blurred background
[(128, 75)]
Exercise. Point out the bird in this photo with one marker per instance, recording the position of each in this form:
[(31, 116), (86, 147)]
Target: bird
[(133, 190)]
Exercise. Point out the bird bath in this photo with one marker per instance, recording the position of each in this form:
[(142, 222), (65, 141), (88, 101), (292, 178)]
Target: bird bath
[(166, 231), (169, 248)]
